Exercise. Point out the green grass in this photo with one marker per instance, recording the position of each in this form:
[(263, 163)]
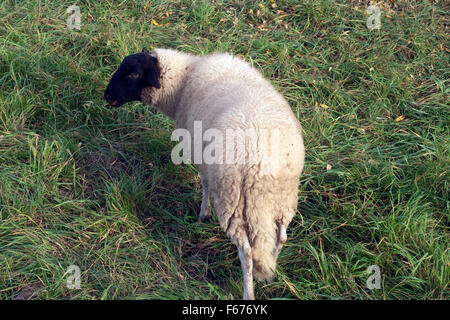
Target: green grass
[(82, 184)]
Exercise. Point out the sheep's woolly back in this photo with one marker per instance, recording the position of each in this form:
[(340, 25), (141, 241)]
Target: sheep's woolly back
[(224, 92)]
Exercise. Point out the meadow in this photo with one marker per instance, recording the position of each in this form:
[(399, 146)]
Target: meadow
[(82, 184)]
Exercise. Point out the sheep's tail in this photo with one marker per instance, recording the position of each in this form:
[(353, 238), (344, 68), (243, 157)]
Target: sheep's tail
[(267, 218), (257, 210), (264, 262)]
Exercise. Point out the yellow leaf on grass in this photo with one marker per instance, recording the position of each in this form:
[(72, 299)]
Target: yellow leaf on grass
[(399, 118), (291, 287), (155, 23), (324, 106)]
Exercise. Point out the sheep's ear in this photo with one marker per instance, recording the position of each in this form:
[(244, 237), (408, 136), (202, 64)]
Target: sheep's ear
[(152, 70)]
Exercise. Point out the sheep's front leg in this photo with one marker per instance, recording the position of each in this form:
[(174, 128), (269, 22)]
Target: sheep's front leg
[(245, 255), (204, 210)]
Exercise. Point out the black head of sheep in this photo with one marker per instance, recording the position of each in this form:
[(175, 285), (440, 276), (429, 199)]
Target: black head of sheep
[(136, 72)]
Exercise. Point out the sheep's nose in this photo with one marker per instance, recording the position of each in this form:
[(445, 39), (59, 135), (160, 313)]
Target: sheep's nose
[(110, 99)]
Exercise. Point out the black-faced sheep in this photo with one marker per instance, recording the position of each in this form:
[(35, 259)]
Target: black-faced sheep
[(255, 195)]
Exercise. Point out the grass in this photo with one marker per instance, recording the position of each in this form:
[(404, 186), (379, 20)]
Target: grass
[(86, 185)]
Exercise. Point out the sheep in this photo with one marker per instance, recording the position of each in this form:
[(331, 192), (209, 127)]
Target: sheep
[(254, 206)]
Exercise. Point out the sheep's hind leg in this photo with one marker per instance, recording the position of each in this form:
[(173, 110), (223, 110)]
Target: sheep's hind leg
[(245, 255), (205, 212)]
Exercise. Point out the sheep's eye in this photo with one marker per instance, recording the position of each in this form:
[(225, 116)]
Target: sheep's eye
[(134, 76)]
